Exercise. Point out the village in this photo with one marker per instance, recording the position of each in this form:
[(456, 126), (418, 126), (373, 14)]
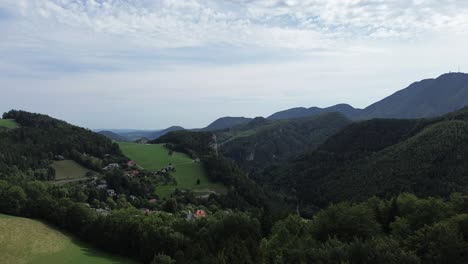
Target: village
[(131, 170)]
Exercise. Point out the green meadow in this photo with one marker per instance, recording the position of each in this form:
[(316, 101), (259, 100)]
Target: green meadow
[(8, 123), (155, 157), (68, 170), (27, 241)]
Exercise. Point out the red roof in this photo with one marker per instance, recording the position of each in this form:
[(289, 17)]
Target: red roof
[(200, 213), (131, 163), (135, 172)]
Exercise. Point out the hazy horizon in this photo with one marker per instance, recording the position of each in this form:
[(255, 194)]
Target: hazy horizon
[(127, 64)]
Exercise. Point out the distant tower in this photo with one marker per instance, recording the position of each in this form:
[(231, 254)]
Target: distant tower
[(215, 144)]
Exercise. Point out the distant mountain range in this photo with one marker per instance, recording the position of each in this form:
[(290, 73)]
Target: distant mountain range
[(299, 112), (113, 136), (226, 122), (423, 99), (427, 98)]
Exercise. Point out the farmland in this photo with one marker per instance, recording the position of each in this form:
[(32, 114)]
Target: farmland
[(8, 123), (68, 170), (25, 240), (155, 157)]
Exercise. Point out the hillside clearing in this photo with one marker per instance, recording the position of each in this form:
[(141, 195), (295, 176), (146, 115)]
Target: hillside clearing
[(8, 123), (156, 157), (25, 240), (68, 170)]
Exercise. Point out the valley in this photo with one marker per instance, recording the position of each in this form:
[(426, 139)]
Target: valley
[(284, 189)]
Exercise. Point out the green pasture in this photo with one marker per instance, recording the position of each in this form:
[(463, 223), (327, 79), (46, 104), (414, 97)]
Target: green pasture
[(8, 123), (27, 241), (155, 157), (68, 170)]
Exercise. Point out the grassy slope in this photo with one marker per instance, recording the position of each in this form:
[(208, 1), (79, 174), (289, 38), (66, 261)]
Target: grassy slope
[(156, 157), (68, 170), (25, 240), (8, 123)]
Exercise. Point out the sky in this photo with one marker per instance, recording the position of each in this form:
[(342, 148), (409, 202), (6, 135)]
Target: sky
[(150, 64)]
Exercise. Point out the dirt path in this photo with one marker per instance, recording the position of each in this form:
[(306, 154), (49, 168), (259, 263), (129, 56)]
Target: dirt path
[(174, 165), (68, 181)]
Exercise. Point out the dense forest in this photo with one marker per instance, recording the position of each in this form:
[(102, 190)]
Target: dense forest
[(405, 229), (348, 200), (381, 157), (263, 142)]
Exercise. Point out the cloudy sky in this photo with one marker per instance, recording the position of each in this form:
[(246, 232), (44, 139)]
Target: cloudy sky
[(153, 63)]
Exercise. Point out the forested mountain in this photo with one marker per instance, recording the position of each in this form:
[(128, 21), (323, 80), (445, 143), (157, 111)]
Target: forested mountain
[(27, 151), (263, 142), (381, 157), (113, 136), (427, 98), (423, 99), (226, 122), (299, 112)]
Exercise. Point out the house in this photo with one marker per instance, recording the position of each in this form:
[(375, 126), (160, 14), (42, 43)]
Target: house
[(131, 163), (153, 200), (103, 212), (111, 192), (111, 166), (132, 173), (59, 157), (147, 211), (132, 197), (101, 186), (199, 214)]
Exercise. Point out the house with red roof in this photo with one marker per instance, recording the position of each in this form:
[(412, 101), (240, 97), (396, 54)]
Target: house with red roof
[(200, 214)]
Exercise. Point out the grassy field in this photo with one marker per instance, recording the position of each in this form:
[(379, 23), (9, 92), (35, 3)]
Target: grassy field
[(8, 123), (156, 157), (68, 170), (25, 240)]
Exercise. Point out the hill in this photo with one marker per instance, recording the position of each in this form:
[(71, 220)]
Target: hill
[(158, 134), (383, 158), (226, 122), (27, 151), (263, 142), (155, 157), (299, 112), (29, 241), (113, 136), (427, 98)]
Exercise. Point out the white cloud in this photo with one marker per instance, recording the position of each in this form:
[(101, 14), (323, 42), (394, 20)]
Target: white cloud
[(239, 56), (264, 23)]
